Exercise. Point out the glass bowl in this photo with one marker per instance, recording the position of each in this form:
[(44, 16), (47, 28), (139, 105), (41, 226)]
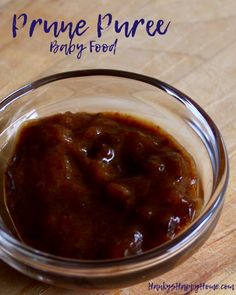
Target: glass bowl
[(134, 94)]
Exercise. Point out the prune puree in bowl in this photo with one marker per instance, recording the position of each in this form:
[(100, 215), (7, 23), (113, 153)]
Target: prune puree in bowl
[(99, 186)]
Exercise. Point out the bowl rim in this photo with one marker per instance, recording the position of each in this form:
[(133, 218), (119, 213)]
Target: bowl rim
[(167, 249)]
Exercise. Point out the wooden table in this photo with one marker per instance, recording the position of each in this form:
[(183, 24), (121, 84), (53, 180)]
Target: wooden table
[(197, 55)]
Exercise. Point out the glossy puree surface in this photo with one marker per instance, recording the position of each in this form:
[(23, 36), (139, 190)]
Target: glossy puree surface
[(99, 186)]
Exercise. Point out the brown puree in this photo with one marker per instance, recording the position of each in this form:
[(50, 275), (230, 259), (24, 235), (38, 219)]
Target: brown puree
[(99, 186)]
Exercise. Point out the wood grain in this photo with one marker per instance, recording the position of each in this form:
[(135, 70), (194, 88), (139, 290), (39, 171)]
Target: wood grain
[(198, 56)]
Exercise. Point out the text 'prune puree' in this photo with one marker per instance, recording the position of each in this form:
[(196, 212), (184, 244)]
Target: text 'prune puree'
[(99, 186)]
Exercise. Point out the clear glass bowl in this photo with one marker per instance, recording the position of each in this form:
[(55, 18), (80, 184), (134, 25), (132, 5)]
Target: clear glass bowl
[(134, 94)]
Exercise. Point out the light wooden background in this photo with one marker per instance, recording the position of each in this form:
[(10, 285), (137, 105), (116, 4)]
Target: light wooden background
[(198, 56)]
